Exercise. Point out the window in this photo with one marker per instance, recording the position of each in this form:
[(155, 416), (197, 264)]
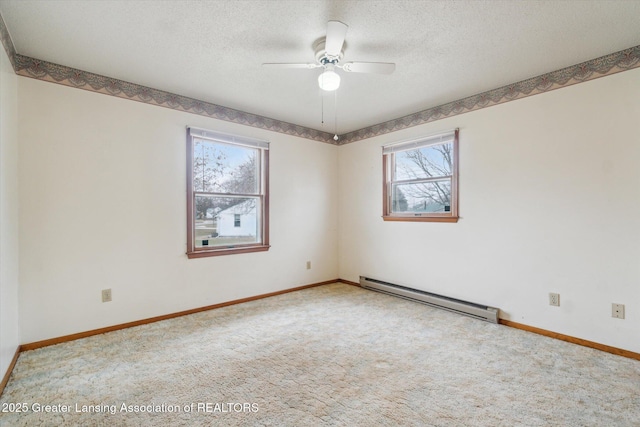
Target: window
[(227, 194), (421, 179)]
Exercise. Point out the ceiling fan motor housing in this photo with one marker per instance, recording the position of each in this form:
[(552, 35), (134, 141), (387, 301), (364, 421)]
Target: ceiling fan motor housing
[(321, 54)]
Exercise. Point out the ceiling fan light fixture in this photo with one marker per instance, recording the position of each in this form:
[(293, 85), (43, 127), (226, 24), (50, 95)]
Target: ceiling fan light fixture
[(329, 80)]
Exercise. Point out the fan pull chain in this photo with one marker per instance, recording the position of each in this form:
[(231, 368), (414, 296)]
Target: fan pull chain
[(335, 111), (322, 107)]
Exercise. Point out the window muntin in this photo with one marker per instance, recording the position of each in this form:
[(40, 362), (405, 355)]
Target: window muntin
[(420, 179), (227, 186)]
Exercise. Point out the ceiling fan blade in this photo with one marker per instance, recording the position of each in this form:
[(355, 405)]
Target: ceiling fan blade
[(336, 32), (292, 65), (369, 67)]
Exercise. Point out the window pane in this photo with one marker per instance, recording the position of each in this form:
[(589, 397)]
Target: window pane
[(425, 162), (224, 168), (226, 221), (424, 197)]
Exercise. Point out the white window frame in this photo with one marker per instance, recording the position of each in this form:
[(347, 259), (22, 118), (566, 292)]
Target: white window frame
[(262, 196), (389, 179)]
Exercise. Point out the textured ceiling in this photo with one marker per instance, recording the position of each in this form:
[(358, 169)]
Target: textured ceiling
[(213, 50)]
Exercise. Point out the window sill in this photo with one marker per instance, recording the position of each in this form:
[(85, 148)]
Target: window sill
[(421, 218), (227, 251)]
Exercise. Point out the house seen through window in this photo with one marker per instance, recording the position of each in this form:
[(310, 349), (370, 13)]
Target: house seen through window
[(227, 186)]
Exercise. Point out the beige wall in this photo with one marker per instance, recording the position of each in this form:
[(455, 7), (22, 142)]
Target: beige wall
[(548, 188), (102, 186), (9, 333), (549, 202)]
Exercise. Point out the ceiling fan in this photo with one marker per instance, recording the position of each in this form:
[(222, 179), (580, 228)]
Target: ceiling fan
[(329, 53)]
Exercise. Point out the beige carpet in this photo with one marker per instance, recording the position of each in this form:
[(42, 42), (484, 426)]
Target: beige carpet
[(332, 355)]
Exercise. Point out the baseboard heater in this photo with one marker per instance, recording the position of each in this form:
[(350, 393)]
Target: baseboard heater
[(477, 311)]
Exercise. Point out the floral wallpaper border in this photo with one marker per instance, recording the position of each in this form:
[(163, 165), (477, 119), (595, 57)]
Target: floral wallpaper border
[(7, 43), (31, 67), (606, 65), (48, 71)]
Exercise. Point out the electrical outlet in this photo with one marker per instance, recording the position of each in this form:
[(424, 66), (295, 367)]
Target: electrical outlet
[(106, 295), (554, 299), (308, 265), (617, 311)]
